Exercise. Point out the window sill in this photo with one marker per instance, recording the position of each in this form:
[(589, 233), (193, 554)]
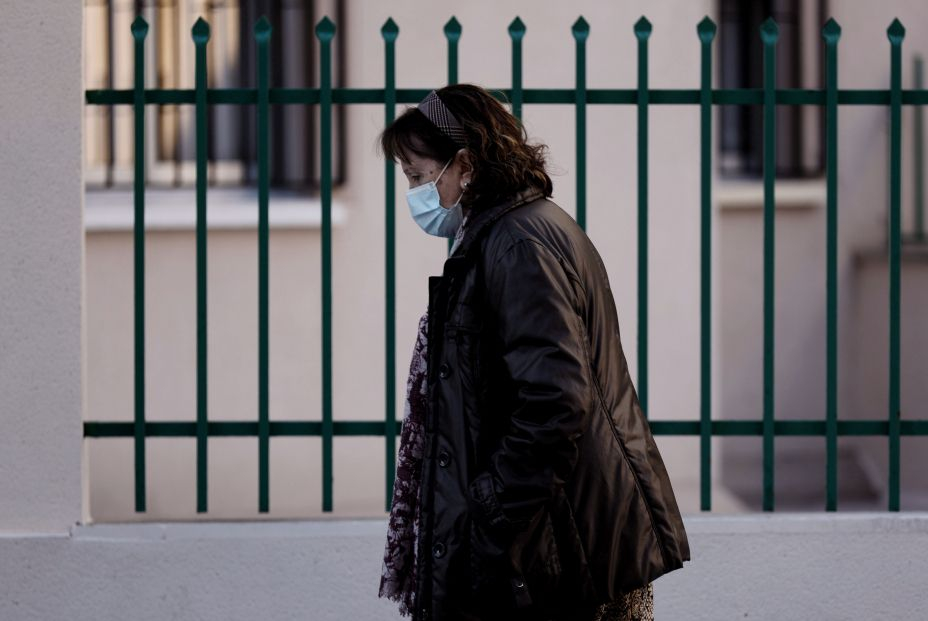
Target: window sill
[(909, 253), (226, 209), (788, 194)]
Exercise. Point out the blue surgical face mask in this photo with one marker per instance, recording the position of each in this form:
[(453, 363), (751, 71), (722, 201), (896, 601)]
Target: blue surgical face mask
[(425, 207)]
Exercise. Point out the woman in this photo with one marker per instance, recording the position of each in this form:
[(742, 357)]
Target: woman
[(528, 483)]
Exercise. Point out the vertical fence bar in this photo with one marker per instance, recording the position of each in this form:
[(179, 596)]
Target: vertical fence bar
[(110, 109), (643, 32), (580, 31), (262, 39), (919, 155), (896, 33), (452, 32), (200, 38), (831, 33), (769, 32), (706, 31), (389, 32), (139, 32), (453, 35), (516, 33), (325, 31)]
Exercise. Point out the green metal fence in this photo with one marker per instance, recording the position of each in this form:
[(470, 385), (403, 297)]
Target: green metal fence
[(642, 97)]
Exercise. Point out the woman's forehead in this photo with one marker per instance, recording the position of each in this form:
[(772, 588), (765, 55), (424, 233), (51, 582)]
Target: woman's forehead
[(418, 162)]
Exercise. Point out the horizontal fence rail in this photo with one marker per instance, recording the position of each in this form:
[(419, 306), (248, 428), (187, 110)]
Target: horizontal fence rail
[(593, 96), (642, 96)]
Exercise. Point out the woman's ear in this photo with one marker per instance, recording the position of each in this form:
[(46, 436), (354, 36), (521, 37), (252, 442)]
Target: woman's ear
[(466, 162)]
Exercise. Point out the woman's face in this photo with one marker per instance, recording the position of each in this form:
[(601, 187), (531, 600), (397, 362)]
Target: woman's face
[(420, 170)]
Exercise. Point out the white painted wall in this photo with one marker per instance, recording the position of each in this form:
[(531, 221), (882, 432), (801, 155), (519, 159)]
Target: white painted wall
[(869, 396), (861, 566), (41, 265)]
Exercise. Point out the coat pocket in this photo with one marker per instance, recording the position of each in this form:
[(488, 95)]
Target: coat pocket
[(576, 581), (490, 566), (536, 554), (515, 570)]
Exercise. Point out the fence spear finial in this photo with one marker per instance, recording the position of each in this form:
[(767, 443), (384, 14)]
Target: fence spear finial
[(263, 29), (896, 31), (831, 32), (453, 29), (200, 31), (325, 29), (706, 29), (139, 27), (389, 31), (769, 31), (580, 29), (643, 28)]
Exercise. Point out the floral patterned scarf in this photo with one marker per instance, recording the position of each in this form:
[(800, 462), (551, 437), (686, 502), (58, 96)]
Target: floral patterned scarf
[(398, 577)]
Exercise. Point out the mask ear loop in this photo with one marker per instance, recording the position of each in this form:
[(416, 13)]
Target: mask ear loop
[(448, 163)]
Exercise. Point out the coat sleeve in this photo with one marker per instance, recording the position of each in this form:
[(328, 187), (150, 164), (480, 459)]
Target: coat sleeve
[(530, 298)]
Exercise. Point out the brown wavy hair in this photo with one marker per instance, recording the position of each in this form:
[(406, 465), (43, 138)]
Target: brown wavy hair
[(503, 160)]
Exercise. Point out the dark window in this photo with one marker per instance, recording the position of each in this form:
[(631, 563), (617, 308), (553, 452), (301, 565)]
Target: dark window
[(799, 136), (231, 63)]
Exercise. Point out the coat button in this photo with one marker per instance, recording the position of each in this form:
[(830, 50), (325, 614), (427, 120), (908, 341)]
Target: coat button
[(444, 458), (444, 371), (518, 583), (438, 550)]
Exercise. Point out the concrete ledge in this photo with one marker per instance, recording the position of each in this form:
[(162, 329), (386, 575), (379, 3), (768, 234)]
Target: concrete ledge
[(778, 566), (748, 194), (108, 211)]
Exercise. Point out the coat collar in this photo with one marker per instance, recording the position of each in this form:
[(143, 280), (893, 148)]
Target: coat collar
[(484, 218)]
